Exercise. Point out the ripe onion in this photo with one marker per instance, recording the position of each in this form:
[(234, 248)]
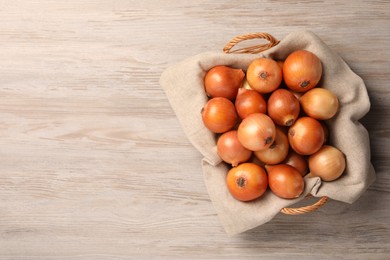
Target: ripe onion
[(328, 163), (249, 102), (297, 161), (326, 131), (231, 150), (278, 150), (264, 75), (280, 63), (219, 115), (245, 85), (302, 70), (283, 107), (306, 136), (223, 81), (320, 103), (247, 181), (256, 132), (285, 181)]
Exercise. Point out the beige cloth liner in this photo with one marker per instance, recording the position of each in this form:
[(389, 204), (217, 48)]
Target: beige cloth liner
[(183, 85)]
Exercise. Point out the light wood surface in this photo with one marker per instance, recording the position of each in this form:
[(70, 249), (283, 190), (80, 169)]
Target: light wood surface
[(94, 164)]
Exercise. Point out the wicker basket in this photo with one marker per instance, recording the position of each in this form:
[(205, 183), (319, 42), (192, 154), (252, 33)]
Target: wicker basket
[(272, 41)]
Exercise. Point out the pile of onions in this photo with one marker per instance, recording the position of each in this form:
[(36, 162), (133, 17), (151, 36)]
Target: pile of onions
[(272, 134)]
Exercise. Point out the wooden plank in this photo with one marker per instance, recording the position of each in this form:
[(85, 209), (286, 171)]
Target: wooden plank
[(94, 163)]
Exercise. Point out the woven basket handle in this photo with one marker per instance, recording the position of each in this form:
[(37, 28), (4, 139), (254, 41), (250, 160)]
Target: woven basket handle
[(272, 41), (305, 209)]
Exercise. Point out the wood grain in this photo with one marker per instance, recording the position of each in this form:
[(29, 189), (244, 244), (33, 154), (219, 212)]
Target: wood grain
[(94, 164)]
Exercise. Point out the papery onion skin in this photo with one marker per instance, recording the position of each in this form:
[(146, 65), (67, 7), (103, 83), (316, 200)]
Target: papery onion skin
[(219, 115), (247, 181), (231, 150), (302, 70), (256, 132), (297, 161), (249, 102), (328, 163), (223, 81), (277, 152), (306, 136), (285, 181), (320, 103), (283, 107), (264, 75)]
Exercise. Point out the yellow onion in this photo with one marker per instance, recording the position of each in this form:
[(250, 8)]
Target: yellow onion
[(285, 181), (245, 84), (328, 163), (248, 102), (277, 152), (297, 161), (223, 81), (219, 115), (302, 70), (231, 150), (256, 132), (306, 136), (319, 103), (283, 107), (264, 75)]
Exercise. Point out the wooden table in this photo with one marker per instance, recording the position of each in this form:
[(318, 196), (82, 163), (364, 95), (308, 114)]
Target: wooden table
[(94, 163)]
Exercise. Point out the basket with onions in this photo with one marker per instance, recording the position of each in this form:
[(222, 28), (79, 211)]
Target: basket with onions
[(279, 122), (270, 122)]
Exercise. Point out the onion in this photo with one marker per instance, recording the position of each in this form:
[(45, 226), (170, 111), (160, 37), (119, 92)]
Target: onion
[(249, 102), (256, 132), (231, 150), (297, 161), (245, 85), (280, 63), (302, 70), (328, 163), (283, 107), (320, 103), (223, 81), (277, 152), (264, 75), (285, 181), (247, 181), (326, 132), (219, 115), (306, 136)]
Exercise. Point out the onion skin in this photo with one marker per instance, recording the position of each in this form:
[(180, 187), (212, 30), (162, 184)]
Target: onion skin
[(320, 103), (285, 181), (223, 81), (219, 115), (328, 163), (247, 181), (306, 136), (249, 102), (302, 70), (277, 152), (280, 63), (264, 75), (231, 150), (297, 161), (245, 85), (256, 132), (283, 107), (326, 132)]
